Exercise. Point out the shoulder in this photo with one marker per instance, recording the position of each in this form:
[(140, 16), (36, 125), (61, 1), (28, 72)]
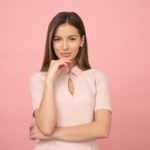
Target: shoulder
[(95, 76), (37, 77), (95, 73)]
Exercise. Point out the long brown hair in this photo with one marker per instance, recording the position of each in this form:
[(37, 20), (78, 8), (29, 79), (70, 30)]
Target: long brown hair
[(74, 19)]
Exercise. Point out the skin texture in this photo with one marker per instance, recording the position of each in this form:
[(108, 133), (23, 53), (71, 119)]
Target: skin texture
[(99, 128), (67, 39)]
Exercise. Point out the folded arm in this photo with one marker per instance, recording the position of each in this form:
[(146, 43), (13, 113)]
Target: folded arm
[(99, 128)]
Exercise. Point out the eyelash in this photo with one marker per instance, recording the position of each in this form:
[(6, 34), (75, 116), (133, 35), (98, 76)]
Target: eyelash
[(72, 39), (56, 39)]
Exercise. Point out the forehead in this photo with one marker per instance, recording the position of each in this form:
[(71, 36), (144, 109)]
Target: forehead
[(66, 30)]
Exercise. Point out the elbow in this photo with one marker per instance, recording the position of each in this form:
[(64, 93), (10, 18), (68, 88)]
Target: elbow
[(106, 134), (103, 133), (47, 131)]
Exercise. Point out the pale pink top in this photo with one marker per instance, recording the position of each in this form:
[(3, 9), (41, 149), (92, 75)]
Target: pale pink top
[(91, 92)]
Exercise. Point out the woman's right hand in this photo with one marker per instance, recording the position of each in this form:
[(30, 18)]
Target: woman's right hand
[(56, 66)]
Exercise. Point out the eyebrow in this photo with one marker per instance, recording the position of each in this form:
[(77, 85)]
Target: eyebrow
[(68, 36)]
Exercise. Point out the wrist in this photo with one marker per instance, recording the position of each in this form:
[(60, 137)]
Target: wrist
[(49, 82)]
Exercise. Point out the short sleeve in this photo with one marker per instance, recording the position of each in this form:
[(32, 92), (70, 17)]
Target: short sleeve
[(102, 93), (36, 89)]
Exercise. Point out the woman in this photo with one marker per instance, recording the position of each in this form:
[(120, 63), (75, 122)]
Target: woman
[(70, 99)]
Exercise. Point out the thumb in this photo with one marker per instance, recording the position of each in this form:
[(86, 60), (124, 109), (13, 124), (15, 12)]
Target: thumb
[(31, 126)]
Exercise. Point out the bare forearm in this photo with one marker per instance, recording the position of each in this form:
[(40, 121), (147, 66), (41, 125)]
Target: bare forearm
[(46, 115), (80, 133)]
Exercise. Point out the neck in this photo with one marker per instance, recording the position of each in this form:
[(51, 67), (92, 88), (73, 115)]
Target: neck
[(71, 65)]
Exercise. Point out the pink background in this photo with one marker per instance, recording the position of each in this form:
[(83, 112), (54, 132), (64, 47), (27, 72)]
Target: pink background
[(118, 37)]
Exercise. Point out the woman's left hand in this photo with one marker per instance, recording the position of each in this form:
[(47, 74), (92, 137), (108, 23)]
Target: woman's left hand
[(35, 133)]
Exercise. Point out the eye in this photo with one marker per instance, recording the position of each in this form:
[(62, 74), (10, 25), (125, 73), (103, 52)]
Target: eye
[(72, 39), (56, 39)]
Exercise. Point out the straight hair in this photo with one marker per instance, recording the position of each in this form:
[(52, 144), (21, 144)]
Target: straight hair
[(73, 19)]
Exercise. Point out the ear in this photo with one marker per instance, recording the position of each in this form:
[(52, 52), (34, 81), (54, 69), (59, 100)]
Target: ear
[(82, 40)]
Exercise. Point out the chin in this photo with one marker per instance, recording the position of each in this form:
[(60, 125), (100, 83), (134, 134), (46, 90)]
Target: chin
[(68, 58)]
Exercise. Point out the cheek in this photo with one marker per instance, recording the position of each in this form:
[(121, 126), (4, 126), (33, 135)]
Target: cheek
[(74, 46), (57, 48), (75, 52)]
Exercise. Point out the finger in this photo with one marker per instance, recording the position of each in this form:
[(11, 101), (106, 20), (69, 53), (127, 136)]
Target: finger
[(31, 124), (63, 64), (31, 135), (32, 138), (66, 60), (30, 128), (32, 131), (67, 67)]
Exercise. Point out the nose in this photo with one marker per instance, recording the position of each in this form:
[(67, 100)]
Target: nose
[(65, 45)]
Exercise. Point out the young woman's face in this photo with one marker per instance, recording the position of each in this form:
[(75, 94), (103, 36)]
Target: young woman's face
[(67, 41)]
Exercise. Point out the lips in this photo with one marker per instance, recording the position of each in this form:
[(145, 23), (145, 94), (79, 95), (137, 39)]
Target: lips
[(65, 54)]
